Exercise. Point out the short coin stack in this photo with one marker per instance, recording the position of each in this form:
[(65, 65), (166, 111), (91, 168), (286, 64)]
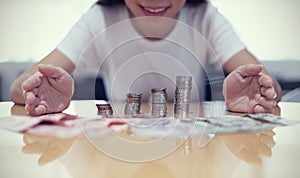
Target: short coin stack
[(104, 110), (159, 102), (182, 96), (133, 104)]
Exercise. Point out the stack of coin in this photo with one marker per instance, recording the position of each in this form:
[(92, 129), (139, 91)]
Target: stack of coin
[(158, 102), (182, 96), (133, 104), (104, 110)]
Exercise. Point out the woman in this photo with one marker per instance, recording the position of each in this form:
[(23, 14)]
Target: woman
[(119, 39)]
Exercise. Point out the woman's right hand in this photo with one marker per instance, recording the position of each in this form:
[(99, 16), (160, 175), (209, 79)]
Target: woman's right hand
[(49, 90)]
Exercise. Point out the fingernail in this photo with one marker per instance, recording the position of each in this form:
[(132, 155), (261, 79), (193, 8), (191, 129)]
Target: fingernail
[(260, 65), (275, 96)]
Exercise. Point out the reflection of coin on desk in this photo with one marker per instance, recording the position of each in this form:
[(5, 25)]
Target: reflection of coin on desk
[(185, 145)]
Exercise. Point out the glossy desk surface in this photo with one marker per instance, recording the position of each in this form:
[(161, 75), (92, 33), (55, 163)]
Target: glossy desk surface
[(226, 155)]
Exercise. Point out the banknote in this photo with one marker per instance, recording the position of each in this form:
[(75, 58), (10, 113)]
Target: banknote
[(17, 123)]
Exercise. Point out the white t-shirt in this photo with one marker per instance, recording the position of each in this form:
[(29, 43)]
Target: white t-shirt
[(104, 42)]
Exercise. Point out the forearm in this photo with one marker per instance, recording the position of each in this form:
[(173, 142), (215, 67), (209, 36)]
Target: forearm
[(55, 58), (16, 91)]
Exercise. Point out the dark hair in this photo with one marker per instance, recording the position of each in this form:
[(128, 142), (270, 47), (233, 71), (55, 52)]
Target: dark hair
[(114, 2)]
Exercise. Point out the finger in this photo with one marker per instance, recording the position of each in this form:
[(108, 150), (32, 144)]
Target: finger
[(28, 139), (49, 156), (264, 150), (260, 109), (265, 80), (32, 82), (266, 103), (30, 106), (38, 110), (34, 148), (268, 132), (267, 141), (250, 157), (30, 98), (249, 69), (50, 70), (269, 92)]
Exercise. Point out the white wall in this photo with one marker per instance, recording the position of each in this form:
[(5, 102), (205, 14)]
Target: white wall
[(270, 28), (30, 29)]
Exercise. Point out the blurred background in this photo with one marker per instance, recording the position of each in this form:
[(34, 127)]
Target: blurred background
[(30, 29)]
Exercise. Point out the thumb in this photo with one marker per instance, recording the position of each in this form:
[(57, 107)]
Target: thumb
[(249, 69), (50, 70)]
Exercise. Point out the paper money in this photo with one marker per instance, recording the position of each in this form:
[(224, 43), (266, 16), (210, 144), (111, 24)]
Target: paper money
[(17, 123)]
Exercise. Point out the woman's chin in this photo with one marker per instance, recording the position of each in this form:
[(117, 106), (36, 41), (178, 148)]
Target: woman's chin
[(154, 28)]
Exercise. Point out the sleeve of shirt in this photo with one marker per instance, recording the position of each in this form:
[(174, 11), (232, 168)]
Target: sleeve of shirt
[(222, 36), (75, 42)]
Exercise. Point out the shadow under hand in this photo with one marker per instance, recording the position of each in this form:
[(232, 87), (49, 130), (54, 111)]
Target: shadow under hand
[(250, 146), (49, 148), (148, 171), (18, 109)]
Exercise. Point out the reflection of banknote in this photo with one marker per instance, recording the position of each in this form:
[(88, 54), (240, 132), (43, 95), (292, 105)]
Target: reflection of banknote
[(170, 127), (163, 127), (270, 118), (66, 126), (22, 123), (62, 125), (91, 127)]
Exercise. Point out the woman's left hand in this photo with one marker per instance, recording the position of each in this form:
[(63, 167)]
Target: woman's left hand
[(247, 89)]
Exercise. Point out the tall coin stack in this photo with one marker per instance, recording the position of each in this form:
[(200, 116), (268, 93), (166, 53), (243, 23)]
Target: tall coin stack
[(133, 104), (159, 102), (182, 96), (104, 110)]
